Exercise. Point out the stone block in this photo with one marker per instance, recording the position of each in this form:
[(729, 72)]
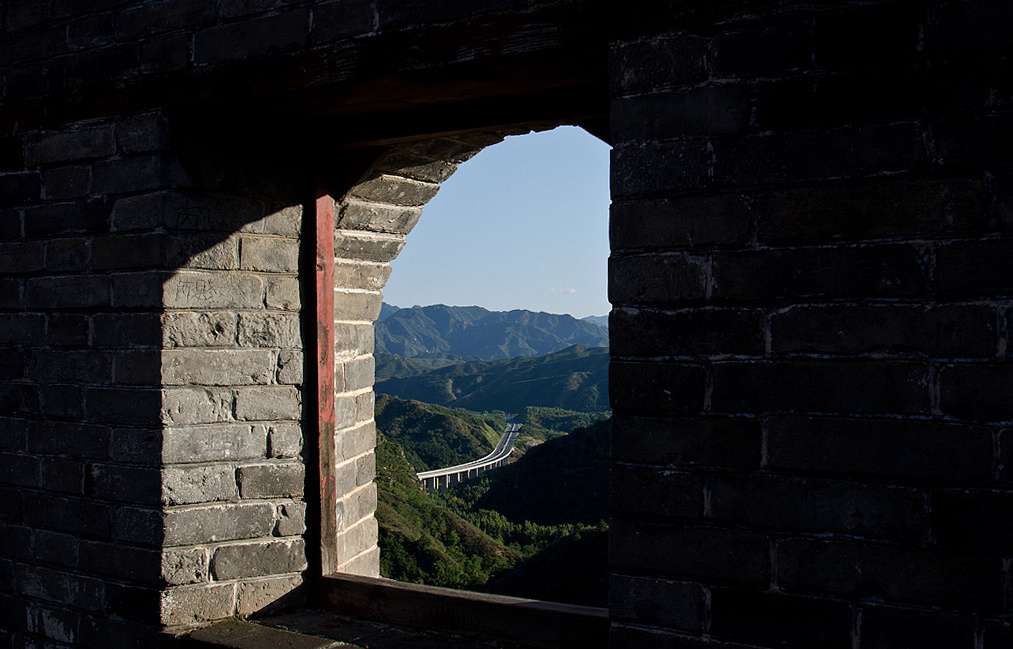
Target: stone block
[(59, 587), (218, 367), (272, 480), (361, 275), (135, 485), (687, 332), (367, 246), (140, 526), (58, 624), (283, 293), (141, 133), (70, 145), (395, 190), (198, 484), (290, 368), (356, 306), (658, 602), (291, 519), (126, 330), (680, 222), (22, 257), (269, 254), (268, 403), (258, 559), (262, 595), (366, 564), (197, 525), (777, 617), (355, 441), (211, 290), (676, 388), (355, 539), (646, 64), (66, 330), (250, 37), (274, 330), (654, 491), (658, 278), (120, 561), (182, 406), (207, 329), (353, 339), (140, 289), (359, 504), (285, 222), (642, 170), (882, 626), (126, 406), (68, 292), (376, 217), (703, 110), (284, 440), (51, 547), (218, 443), (358, 373), (186, 566), (365, 469), (188, 606)]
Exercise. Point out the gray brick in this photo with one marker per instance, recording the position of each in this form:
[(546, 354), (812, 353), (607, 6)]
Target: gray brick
[(271, 480), (270, 330), (358, 373), (284, 440), (376, 217), (360, 503), (180, 567), (59, 587), (69, 292), (230, 522), (218, 367), (68, 254), (286, 222), (290, 368), (357, 440), (356, 539), (367, 246), (395, 190), (210, 290), (198, 484), (365, 469), (71, 144), (193, 605), (283, 293), (258, 559), (196, 406), (356, 306), (268, 403), (208, 329), (363, 275), (214, 443), (259, 595), (291, 519), (269, 254)]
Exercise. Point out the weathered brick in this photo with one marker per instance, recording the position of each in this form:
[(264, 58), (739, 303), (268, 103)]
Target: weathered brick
[(283, 293), (213, 443), (126, 330), (182, 406), (63, 475), (271, 480), (74, 439), (142, 526), (71, 144), (68, 292), (705, 552), (852, 211), (356, 440), (972, 519), (679, 222), (766, 51), (197, 525), (73, 515), (943, 331), (59, 587), (656, 492), (129, 406), (218, 367), (657, 278), (359, 504), (828, 386), (686, 332), (269, 330), (367, 246), (655, 168), (140, 289), (138, 485), (878, 35), (902, 575), (810, 505), (731, 443), (887, 270), (269, 254), (353, 339), (145, 172), (67, 330), (284, 440), (880, 447), (200, 329), (290, 368), (358, 373), (964, 268), (198, 484), (291, 519), (252, 37), (261, 595), (189, 566), (16, 542), (82, 366), (980, 392), (258, 559), (140, 133), (365, 469), (658, 62), (376, 217), (357, 539), (20, 187), (656, 387), (160, 250), (268, 403), (55, 547), (22, 328), (210, 290), (703, 110), (356, 306), (362, 275), (131, 564), (192, 605)]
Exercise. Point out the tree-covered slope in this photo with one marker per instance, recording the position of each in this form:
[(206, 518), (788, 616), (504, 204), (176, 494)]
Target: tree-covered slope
[(422, 542), (441, 331), (433, 436), (573, 379)]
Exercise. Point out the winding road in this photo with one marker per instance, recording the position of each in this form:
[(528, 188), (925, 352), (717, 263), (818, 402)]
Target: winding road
[(443, 478)]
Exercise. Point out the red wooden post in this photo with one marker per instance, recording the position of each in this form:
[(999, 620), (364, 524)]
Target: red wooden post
[(324, 217)]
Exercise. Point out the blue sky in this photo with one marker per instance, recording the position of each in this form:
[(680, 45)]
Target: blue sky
[(522, 225)]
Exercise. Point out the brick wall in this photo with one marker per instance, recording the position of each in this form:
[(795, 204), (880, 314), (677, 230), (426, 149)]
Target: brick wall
[(809, 335)]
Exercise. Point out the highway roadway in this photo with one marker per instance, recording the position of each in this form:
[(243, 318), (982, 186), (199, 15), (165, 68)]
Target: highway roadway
[(504, 447)]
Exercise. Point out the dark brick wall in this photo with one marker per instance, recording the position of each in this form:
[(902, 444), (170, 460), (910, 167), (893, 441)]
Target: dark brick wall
[(810, 368)]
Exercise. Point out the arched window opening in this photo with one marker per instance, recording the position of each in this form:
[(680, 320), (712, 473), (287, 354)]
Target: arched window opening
[(491, 364)]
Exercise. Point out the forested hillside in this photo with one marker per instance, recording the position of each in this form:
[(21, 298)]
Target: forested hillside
[(433, 436), (454, 332), (573, 379)]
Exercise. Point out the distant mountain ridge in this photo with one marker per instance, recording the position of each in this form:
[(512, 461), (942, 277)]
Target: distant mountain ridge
[(574, 379), (476, 333)]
